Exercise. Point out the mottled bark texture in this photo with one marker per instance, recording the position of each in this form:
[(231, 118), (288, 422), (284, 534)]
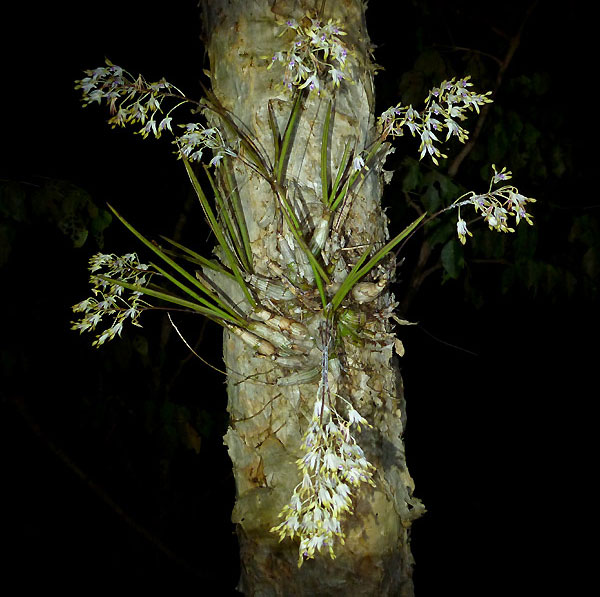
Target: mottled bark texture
[(267, 420)]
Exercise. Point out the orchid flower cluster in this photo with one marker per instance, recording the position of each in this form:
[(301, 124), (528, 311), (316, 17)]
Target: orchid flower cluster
[(130, 100), (135, 101), (444, 107), (109, 298), (197, 138), (495, 206), (332, 468), (316, 47)]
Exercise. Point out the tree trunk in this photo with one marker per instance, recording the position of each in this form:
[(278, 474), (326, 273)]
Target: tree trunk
[(268, 418)]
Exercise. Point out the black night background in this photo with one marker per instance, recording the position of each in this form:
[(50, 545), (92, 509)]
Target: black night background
[(114, 473)]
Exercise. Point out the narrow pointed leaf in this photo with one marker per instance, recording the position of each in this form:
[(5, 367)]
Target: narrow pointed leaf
[(340, 172), (287, 136), (324, 153), (169, 298), (353, 176), (261, 165), (218, 233), (234, 236), (239, 213), (199, 259), (359, 270), (274, 131), (223, 310), (180, 270)]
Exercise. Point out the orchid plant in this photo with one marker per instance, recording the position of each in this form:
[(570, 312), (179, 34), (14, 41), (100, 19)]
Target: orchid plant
[(314, 59)]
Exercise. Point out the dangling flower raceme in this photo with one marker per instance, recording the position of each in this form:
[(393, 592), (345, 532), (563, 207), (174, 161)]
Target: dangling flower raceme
[(332, 469), (135, 101), (130, 100), (495, 206), (110, 299), (444, 106)]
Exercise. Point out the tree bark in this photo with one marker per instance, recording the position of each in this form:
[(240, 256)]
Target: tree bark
[(268, 419)]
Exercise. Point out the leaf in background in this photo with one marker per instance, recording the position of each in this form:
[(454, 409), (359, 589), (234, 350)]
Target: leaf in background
[(449, 191), (431, 198), (13, 201), (525, 241), (431, 64), (412, 176), (52, 203), (441, 231), (99, 224), (540, 83), (475, 66), (452, 258), (591, 263), (188, 435), (514, 124), (530, 273), (498, 144), (7, 239), (68, 206), (412, 87), (141, 346), (585, 230), (531, 135), (492, 246), (559, 161)]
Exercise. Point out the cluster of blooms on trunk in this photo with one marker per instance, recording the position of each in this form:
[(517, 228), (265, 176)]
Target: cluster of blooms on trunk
[(314, 53), (332, 468), (197, 138)]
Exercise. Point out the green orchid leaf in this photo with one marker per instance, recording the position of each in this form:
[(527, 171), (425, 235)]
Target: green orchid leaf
[(274, 131), (170, 298), (287, 136), (154, 248), (231, 260), (223, 310), (324, 152), (359, 270), (233, 233), (238, 211), (199, 259), (341, 171)]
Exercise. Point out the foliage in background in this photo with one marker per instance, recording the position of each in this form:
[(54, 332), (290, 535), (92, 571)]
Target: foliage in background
[(56, 203), (558, 259), (124, 416)]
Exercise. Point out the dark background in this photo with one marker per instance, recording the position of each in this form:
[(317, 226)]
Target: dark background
[(114, 472)]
